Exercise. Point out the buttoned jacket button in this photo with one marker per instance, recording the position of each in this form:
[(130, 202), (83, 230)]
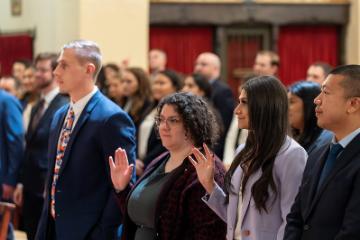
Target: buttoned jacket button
[(306, 227)]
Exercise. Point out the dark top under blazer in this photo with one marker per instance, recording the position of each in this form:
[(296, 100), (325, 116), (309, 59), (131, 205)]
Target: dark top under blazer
[(36, 164), (11, 138), (180, 212), (332, 212), (86, 207)]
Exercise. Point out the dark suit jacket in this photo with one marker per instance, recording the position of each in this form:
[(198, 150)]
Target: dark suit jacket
[(332, 212), (84, 201), (36, 164), (180, 212), (11, 138), (223, 101)]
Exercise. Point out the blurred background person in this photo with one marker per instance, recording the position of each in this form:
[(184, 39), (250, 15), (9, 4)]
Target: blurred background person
[(209, 65), (198, 85), (30, 94), (148, 143), (317, 72), (115, 90), (302, 116), (166, 202), (30, 190), (10, 85), (266, 63), (137, 93), (157, 62)]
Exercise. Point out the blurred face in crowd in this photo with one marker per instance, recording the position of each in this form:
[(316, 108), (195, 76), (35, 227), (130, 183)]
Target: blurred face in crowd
[(130, 84), (162, 86), (43, 74), (332, 104), (191, 87), (115, 87), (157, 60), (296, 112), (315, 74), (18, 70), (207, 65), (171, 129), (242, 111), (29, 80), (9, 85), (110, 72), (262, 65)]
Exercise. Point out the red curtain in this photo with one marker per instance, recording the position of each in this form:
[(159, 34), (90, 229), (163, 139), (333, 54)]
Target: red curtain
[(182, 45), (13, 48), (300, 46), (241, 52)]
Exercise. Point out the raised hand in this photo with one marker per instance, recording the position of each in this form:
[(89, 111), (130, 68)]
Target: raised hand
[(205, 167), (120, 170)]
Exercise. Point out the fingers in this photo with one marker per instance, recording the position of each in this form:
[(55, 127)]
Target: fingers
[(121, 159), (199, 156), (111, 163), (209, 155), (193, 162)]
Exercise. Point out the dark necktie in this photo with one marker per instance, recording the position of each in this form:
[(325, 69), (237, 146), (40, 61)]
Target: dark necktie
[(335, 149), (40, 106)]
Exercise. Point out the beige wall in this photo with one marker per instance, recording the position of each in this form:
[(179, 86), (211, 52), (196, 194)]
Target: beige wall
[(352, 48), (119, 26), (54, 22)]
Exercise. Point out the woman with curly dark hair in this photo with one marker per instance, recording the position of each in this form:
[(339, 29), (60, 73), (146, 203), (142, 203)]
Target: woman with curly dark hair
[(165, 203), (264, 177)]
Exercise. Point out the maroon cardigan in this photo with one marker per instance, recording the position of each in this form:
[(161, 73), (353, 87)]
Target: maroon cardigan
[(180, 212)]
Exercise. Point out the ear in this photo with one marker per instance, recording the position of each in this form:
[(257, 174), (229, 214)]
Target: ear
[(353, 105), (90, 69)]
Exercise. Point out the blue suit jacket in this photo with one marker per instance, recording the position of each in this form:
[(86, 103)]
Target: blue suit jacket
[(85, 201), (11, 138), (36, 164)]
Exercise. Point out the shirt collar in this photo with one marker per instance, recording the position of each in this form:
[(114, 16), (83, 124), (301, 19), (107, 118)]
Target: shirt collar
[(346, 140), (79, 105), (48, 97)]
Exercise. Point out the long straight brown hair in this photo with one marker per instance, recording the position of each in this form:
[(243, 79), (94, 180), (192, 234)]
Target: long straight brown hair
[(268, 126)]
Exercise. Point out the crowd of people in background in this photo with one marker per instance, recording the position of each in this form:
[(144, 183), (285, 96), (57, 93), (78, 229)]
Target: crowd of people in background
[(86, 148)]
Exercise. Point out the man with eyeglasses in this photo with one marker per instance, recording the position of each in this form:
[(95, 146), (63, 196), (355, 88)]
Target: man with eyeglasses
[(30, 192)]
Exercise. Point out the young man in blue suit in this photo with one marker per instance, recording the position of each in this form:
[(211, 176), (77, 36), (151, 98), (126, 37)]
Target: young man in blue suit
[(80, 202), (327, 205), (11, 145), (30, 191)]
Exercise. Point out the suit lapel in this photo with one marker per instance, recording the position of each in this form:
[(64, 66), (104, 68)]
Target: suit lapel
[(234, 197), (247, 197), (47, 114), (31, 131), (82, 120), (342, 161), (315, 179)]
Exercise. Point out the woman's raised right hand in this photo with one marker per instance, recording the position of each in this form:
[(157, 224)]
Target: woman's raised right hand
[(120, 170)]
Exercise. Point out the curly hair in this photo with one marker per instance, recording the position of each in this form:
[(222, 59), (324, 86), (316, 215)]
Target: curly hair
[(198, 119)]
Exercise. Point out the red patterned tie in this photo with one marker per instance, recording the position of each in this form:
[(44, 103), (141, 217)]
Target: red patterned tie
[(64, 139)]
